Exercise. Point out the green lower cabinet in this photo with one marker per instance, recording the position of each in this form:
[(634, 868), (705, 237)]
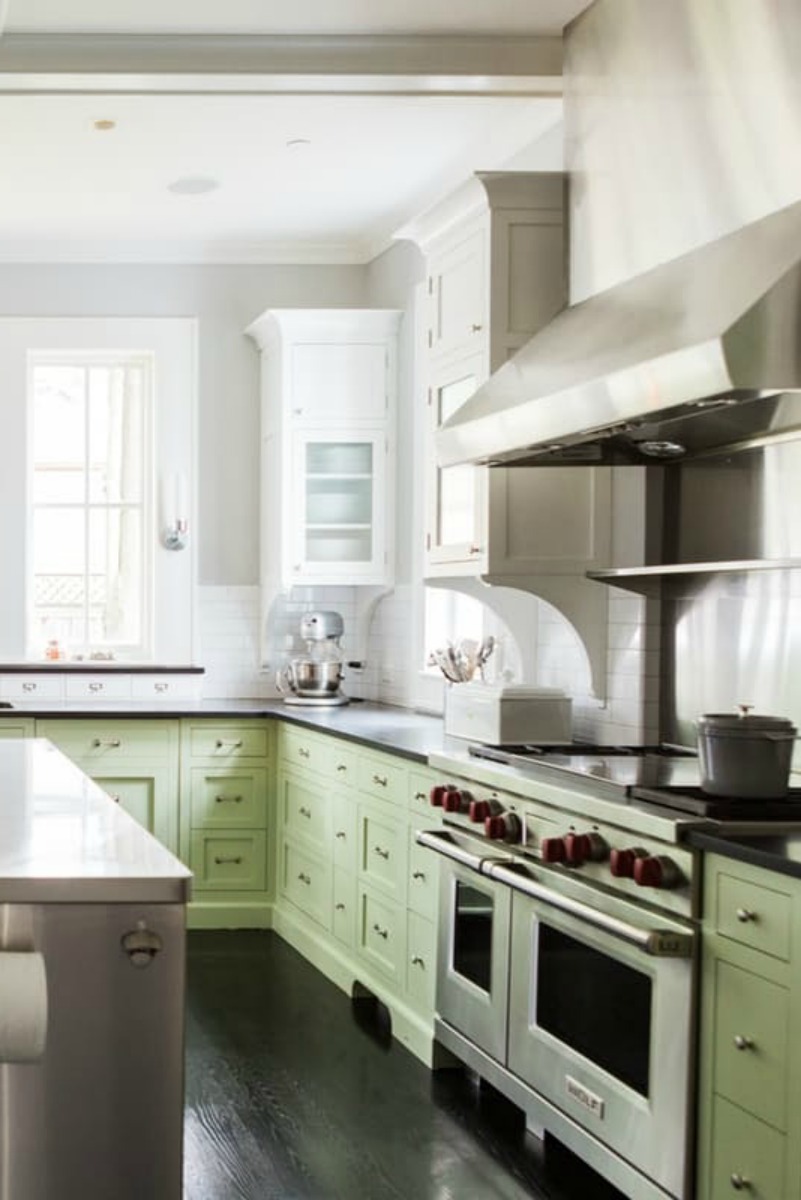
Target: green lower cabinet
[(382, 936), (18, 727), (230, 859), (343, 921), (421, 963), (306, 881), (748, 1156)]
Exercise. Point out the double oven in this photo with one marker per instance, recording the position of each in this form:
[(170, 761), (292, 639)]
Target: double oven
[(568, 984)]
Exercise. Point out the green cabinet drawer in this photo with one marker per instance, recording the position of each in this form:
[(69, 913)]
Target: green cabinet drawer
[(383, 778), (229, 861), (751, 1045), (344, 825), (423, 879), (748, 1157), (305, 808), (225, 798), (381, 930), (754, 915), (420, 785), (421, 962), (17, 729), (137, 795), (340, 762), (96, 739), (343, 924), (382, 852), (229, 741), (302, 749), (306, 882)]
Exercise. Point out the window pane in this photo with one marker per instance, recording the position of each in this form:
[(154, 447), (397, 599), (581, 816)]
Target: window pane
[(58, 580), (115, 434), (59, 433), (115, 576)]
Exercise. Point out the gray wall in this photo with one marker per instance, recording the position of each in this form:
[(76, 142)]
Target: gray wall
[(683, 122), (225, 300)]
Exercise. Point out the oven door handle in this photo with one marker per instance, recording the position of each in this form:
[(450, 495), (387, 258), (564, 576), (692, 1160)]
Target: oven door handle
[(442, 842), (661, 943)]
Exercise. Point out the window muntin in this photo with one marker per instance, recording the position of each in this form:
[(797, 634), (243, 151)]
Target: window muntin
[(90, 486)]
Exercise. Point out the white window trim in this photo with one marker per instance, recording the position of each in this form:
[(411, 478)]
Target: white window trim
[(173, 340)]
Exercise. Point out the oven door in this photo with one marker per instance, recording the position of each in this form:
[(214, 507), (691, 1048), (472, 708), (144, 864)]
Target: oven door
[(601, 1022), (473, 945)]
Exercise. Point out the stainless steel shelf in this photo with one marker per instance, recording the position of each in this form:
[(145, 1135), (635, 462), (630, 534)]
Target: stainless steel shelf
[(648, 579)]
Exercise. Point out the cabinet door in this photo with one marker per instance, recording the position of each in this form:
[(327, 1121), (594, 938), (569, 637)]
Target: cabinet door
[(144, 792), (338, 517), (455, 496), (339, 383), (458, 293)]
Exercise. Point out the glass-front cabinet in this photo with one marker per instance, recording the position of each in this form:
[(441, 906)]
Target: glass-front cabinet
[(338, 510)]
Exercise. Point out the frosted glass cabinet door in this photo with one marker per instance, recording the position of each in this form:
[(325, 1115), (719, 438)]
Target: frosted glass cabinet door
[(456, 495), (337, 514)]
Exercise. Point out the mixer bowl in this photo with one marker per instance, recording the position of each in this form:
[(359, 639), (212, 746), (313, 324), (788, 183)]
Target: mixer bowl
[(314, 679)]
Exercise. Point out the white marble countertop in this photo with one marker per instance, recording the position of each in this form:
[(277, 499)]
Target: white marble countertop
[(63, 840)]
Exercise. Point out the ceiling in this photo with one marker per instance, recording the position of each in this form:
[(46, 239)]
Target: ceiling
[(391, 115)]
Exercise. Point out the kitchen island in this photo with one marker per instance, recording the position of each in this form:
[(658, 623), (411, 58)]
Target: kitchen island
[(92, 941)]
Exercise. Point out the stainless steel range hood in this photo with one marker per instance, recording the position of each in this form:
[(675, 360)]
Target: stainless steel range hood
[(690, 357)]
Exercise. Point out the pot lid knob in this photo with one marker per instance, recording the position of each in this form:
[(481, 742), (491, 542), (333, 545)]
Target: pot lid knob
[(744, 709)]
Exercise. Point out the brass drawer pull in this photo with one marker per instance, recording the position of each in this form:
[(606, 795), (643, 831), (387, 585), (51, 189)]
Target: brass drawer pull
[(115, 797), (220, 744), (740, 1183), (236, 860), (109, 743), (382, 933), (228, 799), (419, 875), (341, 834), (743, 1043), (305, 812), (417, 961), (161, 688), (30, 687), (303, 752), (340, 907), (304, 878), (342, 767), (745, 915), (381, 852), (381, 780), (97, 687), (420, 796), (474, 550)]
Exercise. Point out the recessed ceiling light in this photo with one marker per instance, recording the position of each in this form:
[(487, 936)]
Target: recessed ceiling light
[(298, 143), (193, 185), (105, 124)]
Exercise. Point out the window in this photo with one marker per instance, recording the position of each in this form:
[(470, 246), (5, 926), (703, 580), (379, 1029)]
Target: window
[(90, 488)]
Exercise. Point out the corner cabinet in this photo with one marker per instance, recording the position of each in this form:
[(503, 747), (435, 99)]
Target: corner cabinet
[(750, 1062), (328, 446)]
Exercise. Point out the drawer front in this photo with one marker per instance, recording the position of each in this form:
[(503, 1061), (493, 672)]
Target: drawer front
[(306, 881), (423, 880), (383, 778), (136, 796), (382, 853), (344, 916), (340, 762), (229, 861), (165, 687), (302, 749), (748, 1157), (228, 741), (17, 729), (225, 798), (97, 687), (31, 687), (344, 830), (108, 740), (751, 1042), (305, 809), (753, 915), (380, 935), (420, 785), (421, 961)]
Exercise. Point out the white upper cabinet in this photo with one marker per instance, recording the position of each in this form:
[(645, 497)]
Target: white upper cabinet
[(328, 446)]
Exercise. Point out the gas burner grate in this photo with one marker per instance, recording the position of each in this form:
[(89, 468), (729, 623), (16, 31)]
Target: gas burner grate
[(694, 801), (565, 749)]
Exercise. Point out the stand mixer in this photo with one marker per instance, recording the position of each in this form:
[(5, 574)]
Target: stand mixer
[(315, 678)]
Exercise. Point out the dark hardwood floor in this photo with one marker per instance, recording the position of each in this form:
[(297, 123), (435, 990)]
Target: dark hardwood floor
[(292, 1095)]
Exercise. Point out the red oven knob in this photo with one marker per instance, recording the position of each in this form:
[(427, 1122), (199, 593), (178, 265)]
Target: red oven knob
[(584, 847), (553, 849), (479, 811), (457, 800), (656, 871), (621, 862), (436, 795), (504, 827)]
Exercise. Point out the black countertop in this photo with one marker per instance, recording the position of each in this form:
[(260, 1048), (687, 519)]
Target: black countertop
[(779, 852), (397, 730)]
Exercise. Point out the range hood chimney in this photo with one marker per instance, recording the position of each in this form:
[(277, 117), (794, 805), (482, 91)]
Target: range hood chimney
[(691, 357)]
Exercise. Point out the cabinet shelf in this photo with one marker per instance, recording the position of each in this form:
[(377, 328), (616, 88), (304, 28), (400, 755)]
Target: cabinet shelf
[(647, 579)]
